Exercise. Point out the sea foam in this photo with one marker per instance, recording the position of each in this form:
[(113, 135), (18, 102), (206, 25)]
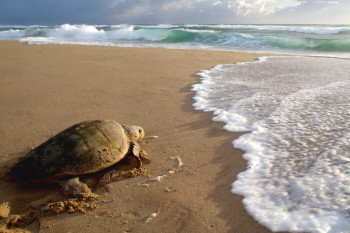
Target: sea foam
[(297, 112)]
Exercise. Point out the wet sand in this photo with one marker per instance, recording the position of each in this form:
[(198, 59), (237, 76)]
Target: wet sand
[(46, 88)]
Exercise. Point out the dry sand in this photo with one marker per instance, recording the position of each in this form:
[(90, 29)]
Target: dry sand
[(46, 88)]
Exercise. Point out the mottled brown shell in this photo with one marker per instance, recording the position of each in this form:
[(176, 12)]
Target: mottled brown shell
[(83, 148)]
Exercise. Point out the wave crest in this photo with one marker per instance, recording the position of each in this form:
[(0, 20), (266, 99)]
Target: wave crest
[(330, 40)]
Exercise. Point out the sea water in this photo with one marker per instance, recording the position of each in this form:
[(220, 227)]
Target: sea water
[(330, 40), (296, 114)]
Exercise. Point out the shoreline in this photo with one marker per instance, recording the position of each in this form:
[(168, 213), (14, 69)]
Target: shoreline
[(46, 88)]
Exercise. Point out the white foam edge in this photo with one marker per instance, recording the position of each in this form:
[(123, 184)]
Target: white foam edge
[(234, 122), (280, 219), (258, 160)]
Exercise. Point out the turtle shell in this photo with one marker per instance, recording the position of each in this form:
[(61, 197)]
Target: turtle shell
[(81, 149)]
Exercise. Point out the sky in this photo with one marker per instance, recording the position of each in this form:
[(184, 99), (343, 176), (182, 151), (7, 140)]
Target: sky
[(55, 12)]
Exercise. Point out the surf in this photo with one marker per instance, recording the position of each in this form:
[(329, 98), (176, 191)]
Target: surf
[(322, 40), (295, 113)]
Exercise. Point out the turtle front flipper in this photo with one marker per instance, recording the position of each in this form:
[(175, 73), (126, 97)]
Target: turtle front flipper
[(135, 152)]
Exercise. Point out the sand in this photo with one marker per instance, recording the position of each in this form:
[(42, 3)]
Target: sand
[(46, 88)]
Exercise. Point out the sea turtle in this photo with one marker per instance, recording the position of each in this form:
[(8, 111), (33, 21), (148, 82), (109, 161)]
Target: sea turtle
[(83, 148)]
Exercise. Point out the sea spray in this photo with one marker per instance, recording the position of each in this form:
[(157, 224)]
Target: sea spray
[(297, 112)]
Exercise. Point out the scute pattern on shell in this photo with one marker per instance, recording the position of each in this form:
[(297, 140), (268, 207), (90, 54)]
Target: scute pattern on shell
[(83, 148)]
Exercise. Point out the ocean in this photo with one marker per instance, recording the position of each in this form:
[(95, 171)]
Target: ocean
[(329, 40), (294, 110)]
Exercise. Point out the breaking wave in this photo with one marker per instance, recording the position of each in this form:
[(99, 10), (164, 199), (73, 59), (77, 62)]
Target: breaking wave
[(330, 40)]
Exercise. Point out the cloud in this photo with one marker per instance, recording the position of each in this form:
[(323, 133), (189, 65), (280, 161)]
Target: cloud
[(167, 8), (261, 7), (217, 3), (313, 12), (181, 11), (170, 11), (327, 2)]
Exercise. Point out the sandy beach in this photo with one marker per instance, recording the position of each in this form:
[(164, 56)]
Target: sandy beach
[(47, 88)]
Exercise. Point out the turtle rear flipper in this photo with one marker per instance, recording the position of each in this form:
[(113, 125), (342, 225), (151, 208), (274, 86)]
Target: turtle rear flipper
[(135, 152)]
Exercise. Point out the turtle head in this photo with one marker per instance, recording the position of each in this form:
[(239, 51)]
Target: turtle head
[(133, 132)]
